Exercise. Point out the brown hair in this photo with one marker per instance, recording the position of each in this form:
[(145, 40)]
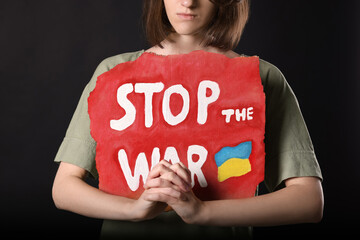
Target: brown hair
[(224, 31)]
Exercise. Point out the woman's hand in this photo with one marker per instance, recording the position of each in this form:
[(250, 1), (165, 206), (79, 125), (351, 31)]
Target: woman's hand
[(171, 184), (189, 207), (145, 209), (164, 181)]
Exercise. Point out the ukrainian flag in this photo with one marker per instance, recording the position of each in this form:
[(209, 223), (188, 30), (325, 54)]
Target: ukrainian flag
[(233, 161)]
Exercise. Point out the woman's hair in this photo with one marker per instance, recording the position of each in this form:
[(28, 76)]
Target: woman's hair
[(224, 31)]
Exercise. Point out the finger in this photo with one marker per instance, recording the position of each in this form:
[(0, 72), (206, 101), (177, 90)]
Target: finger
[(181, 170), (186, 169), (159, 169), (168, 195), (177, 180), (160, 183), (159, 197), (165, 163)]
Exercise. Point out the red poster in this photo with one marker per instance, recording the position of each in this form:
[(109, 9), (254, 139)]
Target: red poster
[(203, 109)]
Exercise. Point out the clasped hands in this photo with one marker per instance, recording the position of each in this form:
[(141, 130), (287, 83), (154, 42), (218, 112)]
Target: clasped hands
[(168, 185)]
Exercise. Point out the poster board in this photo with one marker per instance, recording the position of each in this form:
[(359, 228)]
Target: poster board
[(203, 109)]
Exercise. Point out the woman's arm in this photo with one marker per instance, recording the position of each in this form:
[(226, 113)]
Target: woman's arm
[(300, 201), (70, 192)]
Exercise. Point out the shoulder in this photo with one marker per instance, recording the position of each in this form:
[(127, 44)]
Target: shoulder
[(270, 74), (110, 62), (276, 88)]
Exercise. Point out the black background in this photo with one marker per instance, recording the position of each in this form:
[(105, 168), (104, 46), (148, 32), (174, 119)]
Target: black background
[(50, 49)]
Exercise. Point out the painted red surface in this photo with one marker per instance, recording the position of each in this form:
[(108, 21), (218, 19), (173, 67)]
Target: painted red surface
[(239, 85)]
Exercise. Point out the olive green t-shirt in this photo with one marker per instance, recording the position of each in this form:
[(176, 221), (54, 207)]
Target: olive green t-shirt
[(288, 147)]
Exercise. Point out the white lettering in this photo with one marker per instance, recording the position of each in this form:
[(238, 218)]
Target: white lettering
[(149, 89), (168, 116), (243, 115), (155, 157), (171, 155), (204, 101), (130, 111), (228, 113), (195, 167), (141, 169), (240, 115), (249, 113)]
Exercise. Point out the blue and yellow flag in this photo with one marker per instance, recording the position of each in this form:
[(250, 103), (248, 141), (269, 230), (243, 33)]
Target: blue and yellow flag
[(233, 161)]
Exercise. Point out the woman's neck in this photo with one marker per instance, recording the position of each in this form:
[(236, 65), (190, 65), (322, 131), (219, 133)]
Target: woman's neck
[(182, 44)]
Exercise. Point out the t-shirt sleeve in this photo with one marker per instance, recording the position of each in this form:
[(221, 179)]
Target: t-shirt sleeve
[(78, 147), (288, 146)]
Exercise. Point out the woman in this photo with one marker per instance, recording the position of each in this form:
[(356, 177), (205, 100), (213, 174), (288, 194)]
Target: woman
[(180, 27)]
